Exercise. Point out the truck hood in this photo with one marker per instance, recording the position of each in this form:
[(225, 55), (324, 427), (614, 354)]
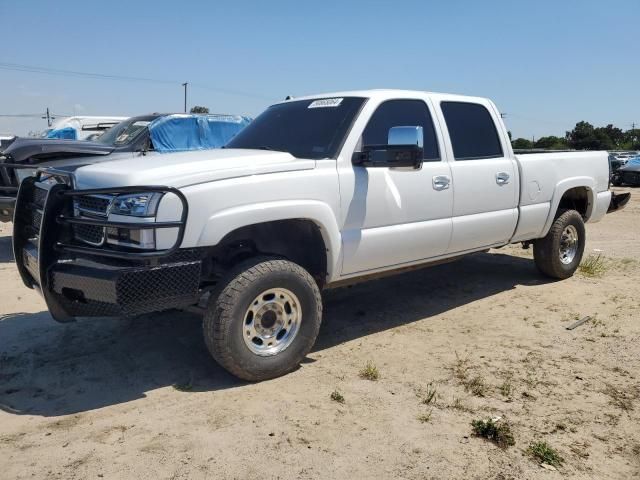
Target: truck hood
[(187, 168), (38, 150)]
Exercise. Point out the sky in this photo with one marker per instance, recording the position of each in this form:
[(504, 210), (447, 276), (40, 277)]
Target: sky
[(546, 64)]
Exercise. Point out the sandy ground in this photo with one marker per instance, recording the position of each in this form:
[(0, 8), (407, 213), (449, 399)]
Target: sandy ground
[(141, 398)]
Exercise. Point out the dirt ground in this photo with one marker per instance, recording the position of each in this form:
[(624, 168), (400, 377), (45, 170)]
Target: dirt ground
[(480, 338)]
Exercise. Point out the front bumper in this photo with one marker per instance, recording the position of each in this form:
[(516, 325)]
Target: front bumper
[(76, 280), (83, 287)]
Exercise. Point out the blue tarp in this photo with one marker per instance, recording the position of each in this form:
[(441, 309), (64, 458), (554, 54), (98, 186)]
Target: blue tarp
[(177, 133), (68, 133)]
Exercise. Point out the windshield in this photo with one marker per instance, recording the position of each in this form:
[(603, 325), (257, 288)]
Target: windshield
[(634, 161), (124, 132), (312, 129)]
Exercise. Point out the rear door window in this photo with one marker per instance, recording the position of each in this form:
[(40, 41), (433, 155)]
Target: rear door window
[(472, 131)]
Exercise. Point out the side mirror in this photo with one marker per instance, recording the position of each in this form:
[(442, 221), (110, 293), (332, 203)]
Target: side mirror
[(404, 148), (406, 136)]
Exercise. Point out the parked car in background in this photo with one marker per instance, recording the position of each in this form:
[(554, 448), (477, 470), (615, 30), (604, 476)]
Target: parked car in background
[(79, 128), (136, 137), (5, 140), (614, 164), (628, 174), (623, 157)]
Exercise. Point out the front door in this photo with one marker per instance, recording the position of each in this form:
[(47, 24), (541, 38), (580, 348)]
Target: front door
[(396, 216)]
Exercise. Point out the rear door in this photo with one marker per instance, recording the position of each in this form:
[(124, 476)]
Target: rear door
[(484, 177)]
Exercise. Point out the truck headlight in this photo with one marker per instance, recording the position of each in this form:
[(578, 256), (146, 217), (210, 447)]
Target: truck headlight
[(136, 204), (23, 173)]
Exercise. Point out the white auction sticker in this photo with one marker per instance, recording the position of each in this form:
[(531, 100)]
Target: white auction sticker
[(325, 103)]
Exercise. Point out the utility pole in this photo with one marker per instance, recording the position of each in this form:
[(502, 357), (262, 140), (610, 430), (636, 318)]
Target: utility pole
[(185, 95), (48, 118)]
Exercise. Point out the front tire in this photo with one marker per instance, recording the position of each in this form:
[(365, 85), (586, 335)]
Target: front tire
[(264, 320), (559, 253)]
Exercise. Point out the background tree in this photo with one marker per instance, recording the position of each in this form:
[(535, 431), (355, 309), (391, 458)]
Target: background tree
[(522, 143), (583, 137), (199, 109), (631, 139), (551, 143), (615, 135)]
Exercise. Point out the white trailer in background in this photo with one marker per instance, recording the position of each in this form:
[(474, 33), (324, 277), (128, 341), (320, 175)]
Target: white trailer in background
[(80, 128)]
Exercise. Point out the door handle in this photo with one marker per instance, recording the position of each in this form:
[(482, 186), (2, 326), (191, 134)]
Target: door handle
[(502, 178), (441, 182)]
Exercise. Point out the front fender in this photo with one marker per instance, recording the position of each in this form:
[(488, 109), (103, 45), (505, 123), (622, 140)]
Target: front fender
[(226, 221)]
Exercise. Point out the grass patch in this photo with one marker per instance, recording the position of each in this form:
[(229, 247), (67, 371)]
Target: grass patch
[(544, 453), (424, 418), (476, 386), (183, 387), (593, 266), (461, 367), (336, 396), (498, 432), (430, 395), (619, 398), (506, 389), (370, 372), (459, 405)]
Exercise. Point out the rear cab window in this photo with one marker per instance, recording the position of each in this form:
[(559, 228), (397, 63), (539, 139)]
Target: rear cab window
[(472, 131)]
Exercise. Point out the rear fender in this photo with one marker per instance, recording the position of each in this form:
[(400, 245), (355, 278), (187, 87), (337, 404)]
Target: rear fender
[(563, 187)]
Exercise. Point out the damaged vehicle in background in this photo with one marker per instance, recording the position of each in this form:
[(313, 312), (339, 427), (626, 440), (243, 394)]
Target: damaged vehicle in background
[(134, 138), (628, 174)]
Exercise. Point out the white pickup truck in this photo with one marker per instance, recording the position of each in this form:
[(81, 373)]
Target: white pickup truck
[(317, 192)]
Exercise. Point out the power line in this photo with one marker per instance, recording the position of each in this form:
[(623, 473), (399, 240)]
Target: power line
[(21, 115), (18, 67), (32, 115)]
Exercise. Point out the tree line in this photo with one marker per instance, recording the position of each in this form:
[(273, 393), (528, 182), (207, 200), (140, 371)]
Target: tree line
[(585, 136)]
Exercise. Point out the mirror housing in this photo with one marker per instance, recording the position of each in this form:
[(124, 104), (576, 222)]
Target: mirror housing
[(404, 149), (389, 156), (406, 136)]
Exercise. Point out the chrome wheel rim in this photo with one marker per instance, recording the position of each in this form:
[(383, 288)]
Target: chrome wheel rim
[(272, 321), (568, 244)]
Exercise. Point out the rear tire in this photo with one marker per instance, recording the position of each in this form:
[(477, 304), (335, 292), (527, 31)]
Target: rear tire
[(559, 253), (264, 320)]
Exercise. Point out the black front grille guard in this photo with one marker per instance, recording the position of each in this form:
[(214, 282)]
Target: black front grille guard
[(47, 239), (48, 243), (111, 252), (7, 184)]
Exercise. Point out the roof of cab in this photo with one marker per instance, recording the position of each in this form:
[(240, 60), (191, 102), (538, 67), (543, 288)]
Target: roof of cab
[(388, 93)]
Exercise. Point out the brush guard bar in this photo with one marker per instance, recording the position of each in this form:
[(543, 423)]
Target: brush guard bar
[(77, 280)]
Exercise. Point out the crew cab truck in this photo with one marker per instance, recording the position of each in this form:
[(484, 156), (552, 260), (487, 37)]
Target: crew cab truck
[(316, 192)]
